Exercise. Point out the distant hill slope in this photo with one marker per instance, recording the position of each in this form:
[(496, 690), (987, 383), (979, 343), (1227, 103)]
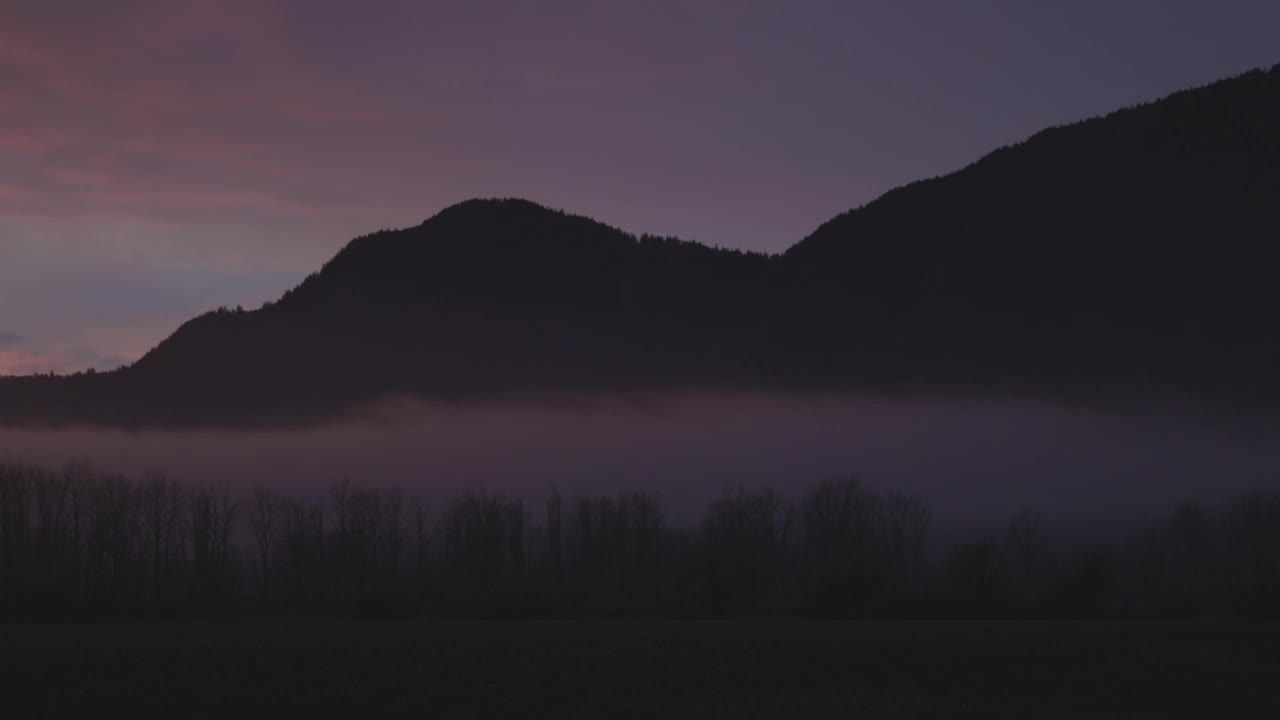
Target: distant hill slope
[(1132, 256), (1136, 252)]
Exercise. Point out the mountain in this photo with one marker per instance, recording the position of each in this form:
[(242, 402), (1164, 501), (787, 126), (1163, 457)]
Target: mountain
[(488, 298), (1132, 254), (1128, 257)]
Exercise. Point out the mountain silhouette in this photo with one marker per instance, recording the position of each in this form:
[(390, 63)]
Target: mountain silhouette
[(1126, 258)]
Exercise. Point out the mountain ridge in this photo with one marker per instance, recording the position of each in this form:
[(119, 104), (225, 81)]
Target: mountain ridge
[(1073, 265)]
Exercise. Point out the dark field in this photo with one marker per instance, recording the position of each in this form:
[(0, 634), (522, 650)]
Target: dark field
[(643, 669)]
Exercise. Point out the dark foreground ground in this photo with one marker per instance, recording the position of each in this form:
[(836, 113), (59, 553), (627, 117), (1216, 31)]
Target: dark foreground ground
[(738, 669)]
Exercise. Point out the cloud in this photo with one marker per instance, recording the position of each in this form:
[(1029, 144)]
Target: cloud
[(23, 362), (19, 362), (165, 118), (9, 338), (84, 358)]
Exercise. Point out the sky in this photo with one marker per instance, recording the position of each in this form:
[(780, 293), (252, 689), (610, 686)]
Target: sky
[(160, 158)]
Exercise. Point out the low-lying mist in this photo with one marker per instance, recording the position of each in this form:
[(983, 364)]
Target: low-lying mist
[(975, 463)]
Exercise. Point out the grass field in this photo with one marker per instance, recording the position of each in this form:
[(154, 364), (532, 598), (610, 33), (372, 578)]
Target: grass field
[(740, 669)]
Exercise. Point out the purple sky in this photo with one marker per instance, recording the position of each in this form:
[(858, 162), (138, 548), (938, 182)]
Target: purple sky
[(163, 157)]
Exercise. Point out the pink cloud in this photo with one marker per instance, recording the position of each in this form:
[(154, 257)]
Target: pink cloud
[(29, 362), (19, 362), (31, 141), (196, 198), (143, 125), (18, 50), (81, 176), (13, 193)]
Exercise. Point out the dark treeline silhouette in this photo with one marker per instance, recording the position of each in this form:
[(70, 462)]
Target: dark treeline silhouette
[(1126, 258), (80, 544)]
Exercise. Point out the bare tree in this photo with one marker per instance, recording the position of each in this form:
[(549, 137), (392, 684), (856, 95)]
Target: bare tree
[(393, 535), (839, 522), (421, 537), (743, 535), (304, 551), (265, 513), (1251, 556), (905, 528), (212, 512), (15, 531), (1027, 556), (162, 503), (555, 540)]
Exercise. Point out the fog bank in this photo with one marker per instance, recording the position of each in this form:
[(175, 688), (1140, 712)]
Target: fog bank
[(975, 463)]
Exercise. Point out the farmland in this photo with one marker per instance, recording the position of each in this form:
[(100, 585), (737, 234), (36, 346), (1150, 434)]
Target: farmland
[(595, 669)]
